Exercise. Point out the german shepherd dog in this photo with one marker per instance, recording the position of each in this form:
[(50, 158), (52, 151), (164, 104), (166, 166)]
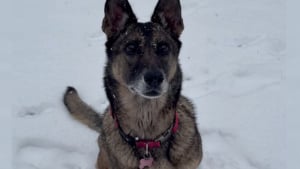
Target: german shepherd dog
[(148, 124)]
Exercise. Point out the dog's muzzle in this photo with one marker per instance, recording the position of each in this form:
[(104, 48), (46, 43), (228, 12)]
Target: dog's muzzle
[(152, 84), (153, 81)]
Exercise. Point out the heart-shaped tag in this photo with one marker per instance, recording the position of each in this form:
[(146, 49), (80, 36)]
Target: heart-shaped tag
[(146, 162)]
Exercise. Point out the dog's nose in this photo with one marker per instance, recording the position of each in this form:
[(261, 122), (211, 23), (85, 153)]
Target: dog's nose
[(153, 78)]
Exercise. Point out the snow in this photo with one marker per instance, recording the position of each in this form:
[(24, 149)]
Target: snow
[(292, 84), (233, 59)]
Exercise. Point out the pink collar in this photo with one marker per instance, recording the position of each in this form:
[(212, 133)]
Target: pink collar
[(156, 143)]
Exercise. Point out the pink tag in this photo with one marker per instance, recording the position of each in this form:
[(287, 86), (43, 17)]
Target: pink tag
[(146, 163)]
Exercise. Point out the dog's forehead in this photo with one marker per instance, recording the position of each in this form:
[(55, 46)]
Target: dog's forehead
[(147, 31), (146, 28)]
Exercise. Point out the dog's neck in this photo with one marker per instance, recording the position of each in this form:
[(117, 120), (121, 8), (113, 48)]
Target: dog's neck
[(142, 117), (138, 116)]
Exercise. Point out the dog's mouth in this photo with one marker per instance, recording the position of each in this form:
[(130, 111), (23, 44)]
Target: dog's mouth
[(150, 93), (153, 93)]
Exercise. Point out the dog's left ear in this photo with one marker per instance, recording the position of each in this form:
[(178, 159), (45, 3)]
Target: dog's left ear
[(167, 13)]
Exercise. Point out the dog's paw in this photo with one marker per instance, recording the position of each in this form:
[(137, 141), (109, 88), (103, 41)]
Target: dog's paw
[(69, 95), (70, 90)]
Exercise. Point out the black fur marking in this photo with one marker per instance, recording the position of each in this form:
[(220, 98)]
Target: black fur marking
[(146, 28), (176, 88)]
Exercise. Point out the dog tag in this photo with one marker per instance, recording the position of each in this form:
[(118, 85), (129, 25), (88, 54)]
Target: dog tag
[(146, 162)]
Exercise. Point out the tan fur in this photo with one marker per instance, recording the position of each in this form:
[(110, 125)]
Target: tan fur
[(103, 161), (143, 117)]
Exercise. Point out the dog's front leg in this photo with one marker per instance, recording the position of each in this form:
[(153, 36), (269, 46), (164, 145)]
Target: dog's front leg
[(102, 162), (187, 155), (186, 148)]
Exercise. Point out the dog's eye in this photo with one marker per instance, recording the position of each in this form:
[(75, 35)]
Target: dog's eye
[(132, 48), (162, 49)]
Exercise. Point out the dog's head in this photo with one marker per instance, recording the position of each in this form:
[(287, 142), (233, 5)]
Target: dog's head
[(143, 56)]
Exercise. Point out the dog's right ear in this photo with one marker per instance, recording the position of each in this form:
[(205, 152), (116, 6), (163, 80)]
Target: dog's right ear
[(118, 15)]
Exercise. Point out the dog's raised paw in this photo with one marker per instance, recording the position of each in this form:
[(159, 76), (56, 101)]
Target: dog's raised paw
[(69, 95), (70, 90)]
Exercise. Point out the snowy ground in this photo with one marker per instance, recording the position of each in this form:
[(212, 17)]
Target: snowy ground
[(233, 59)]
